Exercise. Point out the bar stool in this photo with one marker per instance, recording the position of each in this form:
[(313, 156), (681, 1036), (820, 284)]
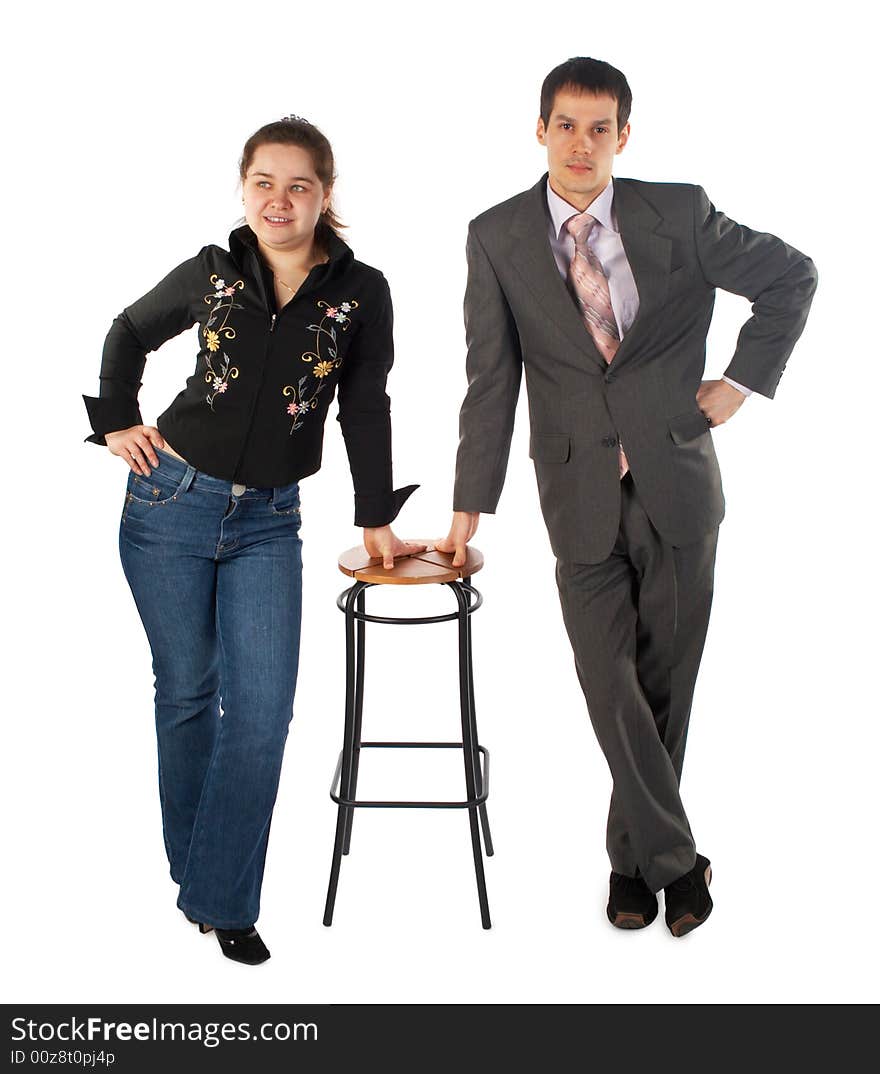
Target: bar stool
[(428, 567)]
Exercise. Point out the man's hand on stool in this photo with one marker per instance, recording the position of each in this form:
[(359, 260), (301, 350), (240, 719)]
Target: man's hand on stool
[(381, 542), (464, 526)]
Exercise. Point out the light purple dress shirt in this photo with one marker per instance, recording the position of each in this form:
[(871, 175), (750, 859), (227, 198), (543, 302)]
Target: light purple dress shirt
[(606, 244)]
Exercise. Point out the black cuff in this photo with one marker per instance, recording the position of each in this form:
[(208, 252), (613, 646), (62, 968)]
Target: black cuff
[(108, 414), (380, 509)]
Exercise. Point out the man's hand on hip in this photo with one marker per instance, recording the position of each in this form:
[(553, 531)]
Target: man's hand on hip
[(719, 400), (464, 526)]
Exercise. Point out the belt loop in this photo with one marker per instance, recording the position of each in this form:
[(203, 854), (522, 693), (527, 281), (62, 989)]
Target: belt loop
[(187, 478)]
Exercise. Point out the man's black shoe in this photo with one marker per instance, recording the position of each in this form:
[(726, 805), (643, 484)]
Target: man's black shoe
[(631, 903), (688, 902)]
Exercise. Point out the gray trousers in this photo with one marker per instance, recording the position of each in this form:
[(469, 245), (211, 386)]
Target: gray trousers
[(637, 624)]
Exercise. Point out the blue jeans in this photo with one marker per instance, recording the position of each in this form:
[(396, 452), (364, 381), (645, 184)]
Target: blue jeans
[(217, 579)]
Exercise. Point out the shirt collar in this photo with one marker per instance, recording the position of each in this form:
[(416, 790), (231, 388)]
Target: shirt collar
[(601, 208), (242, 239)]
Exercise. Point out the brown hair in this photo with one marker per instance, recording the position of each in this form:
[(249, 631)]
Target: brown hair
[(583, 74), (294, 130)]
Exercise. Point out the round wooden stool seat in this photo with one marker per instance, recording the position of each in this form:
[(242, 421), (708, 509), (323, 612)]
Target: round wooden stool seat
[(419, 569)]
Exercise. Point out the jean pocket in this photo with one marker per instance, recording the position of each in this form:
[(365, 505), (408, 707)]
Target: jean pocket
[(285, 512), (158, 488), (285, 500)]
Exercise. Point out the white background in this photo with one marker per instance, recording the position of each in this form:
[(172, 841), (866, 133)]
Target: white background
[(123, 131)]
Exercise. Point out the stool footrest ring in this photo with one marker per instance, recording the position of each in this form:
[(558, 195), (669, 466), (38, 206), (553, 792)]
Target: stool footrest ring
[(449, 617), (467, 804)]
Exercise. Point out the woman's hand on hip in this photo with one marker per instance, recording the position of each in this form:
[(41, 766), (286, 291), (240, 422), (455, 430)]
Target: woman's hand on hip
[(136, 445), (381, 542)]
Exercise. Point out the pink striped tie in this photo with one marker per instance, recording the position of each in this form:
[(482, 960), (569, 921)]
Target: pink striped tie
[(590, 287)]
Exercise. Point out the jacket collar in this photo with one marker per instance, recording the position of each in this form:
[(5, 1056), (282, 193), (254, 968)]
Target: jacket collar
[(242, 242)]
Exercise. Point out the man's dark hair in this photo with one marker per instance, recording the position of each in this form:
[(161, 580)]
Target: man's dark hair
[(582, 74)]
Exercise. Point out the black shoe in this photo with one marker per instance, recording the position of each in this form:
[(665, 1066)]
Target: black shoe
[(203, 929), (243, 945), (631, 903), (688, 902)]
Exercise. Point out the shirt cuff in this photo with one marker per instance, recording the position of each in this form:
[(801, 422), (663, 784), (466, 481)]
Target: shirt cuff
[(380, 509), (109, 414), (740, 387)]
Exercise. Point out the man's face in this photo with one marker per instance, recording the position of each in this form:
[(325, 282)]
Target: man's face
[(582, 141)]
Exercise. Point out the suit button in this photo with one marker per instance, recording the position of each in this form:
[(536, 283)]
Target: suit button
[(609, 377)]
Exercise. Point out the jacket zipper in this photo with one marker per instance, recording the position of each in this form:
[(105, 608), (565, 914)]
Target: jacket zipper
[(273, 317)]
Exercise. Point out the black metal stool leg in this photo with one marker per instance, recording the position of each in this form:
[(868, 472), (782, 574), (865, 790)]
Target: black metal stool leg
[(360, 630), (478, 769), (471, 756), (347, 749)]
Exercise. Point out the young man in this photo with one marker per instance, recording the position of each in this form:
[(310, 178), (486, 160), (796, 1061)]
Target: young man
[(602, 290)]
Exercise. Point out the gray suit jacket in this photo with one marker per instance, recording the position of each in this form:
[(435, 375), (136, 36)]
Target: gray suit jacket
[(520, 315)]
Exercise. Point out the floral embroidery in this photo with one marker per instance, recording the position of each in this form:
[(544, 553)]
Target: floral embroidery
[(220, 370), (305, 394)]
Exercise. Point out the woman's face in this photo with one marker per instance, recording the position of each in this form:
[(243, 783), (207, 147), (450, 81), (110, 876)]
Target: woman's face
[(283, 197)]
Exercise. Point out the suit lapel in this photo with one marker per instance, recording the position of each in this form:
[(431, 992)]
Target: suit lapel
[(537, 267), (648, 255)]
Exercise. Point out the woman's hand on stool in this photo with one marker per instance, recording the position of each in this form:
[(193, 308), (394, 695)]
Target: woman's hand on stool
[(464, 526), (381, 542)]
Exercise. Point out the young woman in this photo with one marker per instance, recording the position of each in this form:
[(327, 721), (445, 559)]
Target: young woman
[(209, 536)]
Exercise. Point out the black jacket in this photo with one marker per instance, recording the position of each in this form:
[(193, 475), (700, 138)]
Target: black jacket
[(253, 410)]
